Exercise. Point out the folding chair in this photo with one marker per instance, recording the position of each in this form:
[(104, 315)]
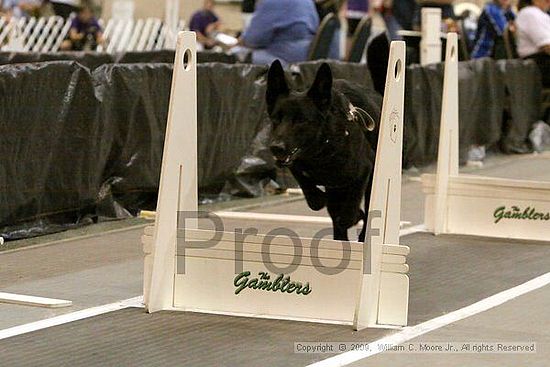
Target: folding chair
[(320, 46), (359, 40)]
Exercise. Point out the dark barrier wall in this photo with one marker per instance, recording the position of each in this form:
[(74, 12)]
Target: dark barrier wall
[(93, 60), (90, 60), (51, 147), (78, 144), (523, 86), (481, 103), (133, 110), (227, 126)]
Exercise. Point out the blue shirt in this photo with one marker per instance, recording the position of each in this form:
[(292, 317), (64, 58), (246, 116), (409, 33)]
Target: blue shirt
[(283, 28), (491, 24)]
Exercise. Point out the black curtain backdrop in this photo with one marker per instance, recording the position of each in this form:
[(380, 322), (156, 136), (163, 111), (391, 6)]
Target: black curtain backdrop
[(82, 138)]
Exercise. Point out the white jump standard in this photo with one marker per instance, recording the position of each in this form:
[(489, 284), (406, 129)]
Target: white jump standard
[(275, 275), (477, 205)]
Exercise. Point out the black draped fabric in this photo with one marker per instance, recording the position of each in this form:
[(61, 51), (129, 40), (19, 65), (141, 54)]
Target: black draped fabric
[(86, 142), (51, 148)]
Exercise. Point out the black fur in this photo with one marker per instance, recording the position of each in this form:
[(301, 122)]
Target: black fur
[(313, 135)]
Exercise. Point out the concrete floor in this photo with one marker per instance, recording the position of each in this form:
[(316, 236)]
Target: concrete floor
[(107, 267)]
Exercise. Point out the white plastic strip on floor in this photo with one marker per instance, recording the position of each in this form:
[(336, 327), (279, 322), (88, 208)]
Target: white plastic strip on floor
[(412, 230), (409, 333), (21, 299), (70, 317)]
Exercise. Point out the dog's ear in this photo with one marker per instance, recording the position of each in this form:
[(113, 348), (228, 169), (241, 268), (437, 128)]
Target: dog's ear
[(276, 85), (321, 90)]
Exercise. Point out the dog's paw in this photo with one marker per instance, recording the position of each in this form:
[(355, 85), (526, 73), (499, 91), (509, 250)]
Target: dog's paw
[(340, 234), (316, 202)]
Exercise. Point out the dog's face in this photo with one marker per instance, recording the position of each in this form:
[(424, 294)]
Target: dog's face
[(297, 117)]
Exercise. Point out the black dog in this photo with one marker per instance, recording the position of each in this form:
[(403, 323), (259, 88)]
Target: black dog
[(327, 136)]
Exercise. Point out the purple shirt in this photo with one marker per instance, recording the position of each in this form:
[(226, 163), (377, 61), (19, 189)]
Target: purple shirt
[(358, 5), (201, 20), (92, 27)]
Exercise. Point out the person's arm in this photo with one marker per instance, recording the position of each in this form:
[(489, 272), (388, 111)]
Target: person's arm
[(342, 9), (262, 26), (205, 40), (99, 38)]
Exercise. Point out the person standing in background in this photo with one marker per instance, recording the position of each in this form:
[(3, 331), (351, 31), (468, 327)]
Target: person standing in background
[(280, 29), (492, 22), (533, 34), (64, 8), (205, 22)]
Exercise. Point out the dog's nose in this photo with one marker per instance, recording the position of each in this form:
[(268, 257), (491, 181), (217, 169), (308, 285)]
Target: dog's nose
[(278, 149)]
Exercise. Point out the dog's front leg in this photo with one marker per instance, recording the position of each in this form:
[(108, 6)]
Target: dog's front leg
[(344, 207), (315, 198), (339, 214)]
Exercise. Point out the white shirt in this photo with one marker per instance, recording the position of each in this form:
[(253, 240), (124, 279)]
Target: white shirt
[(533, 30)]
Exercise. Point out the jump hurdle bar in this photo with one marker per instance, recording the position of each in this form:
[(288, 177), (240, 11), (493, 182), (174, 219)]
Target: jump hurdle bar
[(320, 287), (24, 300), (476, 205)]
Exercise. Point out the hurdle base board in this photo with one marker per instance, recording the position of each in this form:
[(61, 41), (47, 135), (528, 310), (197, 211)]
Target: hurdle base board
[(332, 297), (474, 206), (393, 304), (208, 283), (24, 300), (270, 317)]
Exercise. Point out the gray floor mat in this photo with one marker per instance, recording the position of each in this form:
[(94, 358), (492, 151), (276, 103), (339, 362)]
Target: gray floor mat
[(447, 273)]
